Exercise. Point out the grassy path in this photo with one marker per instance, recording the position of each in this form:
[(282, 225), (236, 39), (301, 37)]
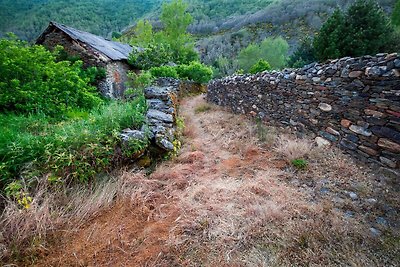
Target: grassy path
[(229, 199)]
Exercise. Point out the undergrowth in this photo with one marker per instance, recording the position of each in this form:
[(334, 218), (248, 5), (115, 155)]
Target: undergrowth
[(72, 150)]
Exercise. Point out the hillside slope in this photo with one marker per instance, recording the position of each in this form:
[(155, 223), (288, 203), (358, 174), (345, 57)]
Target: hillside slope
[(28, 18)]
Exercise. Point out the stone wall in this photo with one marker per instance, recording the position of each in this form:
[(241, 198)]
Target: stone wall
[(351, 102), (114, 85), (161, 118)]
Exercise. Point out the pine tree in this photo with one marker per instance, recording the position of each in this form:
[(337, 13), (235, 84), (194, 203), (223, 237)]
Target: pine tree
[(328, 43), (396, 15), (367, 29)]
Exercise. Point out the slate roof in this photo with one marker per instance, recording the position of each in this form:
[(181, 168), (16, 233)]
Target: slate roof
[(113, 50)]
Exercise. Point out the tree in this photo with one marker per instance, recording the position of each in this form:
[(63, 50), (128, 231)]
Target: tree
[(396, 15), (304, 54), (249, 56), (143, 34), (171, 43), (363, 30), (272, 50), (328, 42), (367, 29), (176, 20)]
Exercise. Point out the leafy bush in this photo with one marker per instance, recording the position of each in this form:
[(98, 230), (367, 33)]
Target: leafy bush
[(164, 71), (94, 74), (154, 55), (75, 150), (196, 72), (31, 81), (260, 66)]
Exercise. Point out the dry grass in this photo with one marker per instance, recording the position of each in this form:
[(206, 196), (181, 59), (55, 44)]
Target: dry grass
[(293, 148), (25, 231), (229, 200)]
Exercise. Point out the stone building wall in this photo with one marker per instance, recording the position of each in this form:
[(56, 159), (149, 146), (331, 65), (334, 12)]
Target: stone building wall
[(114, 85), (352, 102), (89, 56)]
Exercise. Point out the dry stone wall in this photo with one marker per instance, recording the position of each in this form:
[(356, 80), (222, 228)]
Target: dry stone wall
[(351, 102)]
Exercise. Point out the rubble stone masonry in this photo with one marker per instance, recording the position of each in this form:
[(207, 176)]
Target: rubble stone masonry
[(351, 102)]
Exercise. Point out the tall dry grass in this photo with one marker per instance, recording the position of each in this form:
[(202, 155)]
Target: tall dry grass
[(25, 231)]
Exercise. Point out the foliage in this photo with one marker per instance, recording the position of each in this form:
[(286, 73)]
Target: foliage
[(164, 71), (154, 55), (171, 44), (76, 150), (28, 18), (364, 29), (260, 66), (300, 164), (396, 15), (195, 71), (32, 81), (303, 55), (329, 41), (94, 74), (138, 82), (272, 50), (368, 29)]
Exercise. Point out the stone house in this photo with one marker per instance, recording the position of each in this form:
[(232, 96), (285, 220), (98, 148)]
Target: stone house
[(94, 51)]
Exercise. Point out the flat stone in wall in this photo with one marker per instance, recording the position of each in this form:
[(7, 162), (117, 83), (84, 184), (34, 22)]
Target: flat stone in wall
[(351, 102)]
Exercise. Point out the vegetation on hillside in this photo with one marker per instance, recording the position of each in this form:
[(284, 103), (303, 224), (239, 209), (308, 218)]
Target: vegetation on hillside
[(363, 29), (28, 18), (53, 120), (170, 51)]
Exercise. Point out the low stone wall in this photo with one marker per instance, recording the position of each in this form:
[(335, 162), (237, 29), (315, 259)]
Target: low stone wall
[(163, 102), (352, 102)]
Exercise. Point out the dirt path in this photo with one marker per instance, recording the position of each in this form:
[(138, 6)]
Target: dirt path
[(226, 200)]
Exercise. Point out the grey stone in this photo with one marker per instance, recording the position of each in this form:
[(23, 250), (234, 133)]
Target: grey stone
[(375, 232), (321, 142), (348, 214), (328, 136), (353, 196), (382, 221), (155, 92), (388, 162), (325, 107), (373, 71), (387, 133), (347, 144), (397, 63), (159, 115), (164, 143), (360, 130), (128, 134)]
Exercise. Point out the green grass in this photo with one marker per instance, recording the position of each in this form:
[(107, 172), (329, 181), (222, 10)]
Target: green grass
[(74, 149)]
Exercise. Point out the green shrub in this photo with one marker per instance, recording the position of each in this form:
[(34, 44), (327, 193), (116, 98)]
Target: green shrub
[(164, 71), (32, 81), (154, 55), (260, 66), (300, 164), (75, 150), (196, 72), (94, 74)]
